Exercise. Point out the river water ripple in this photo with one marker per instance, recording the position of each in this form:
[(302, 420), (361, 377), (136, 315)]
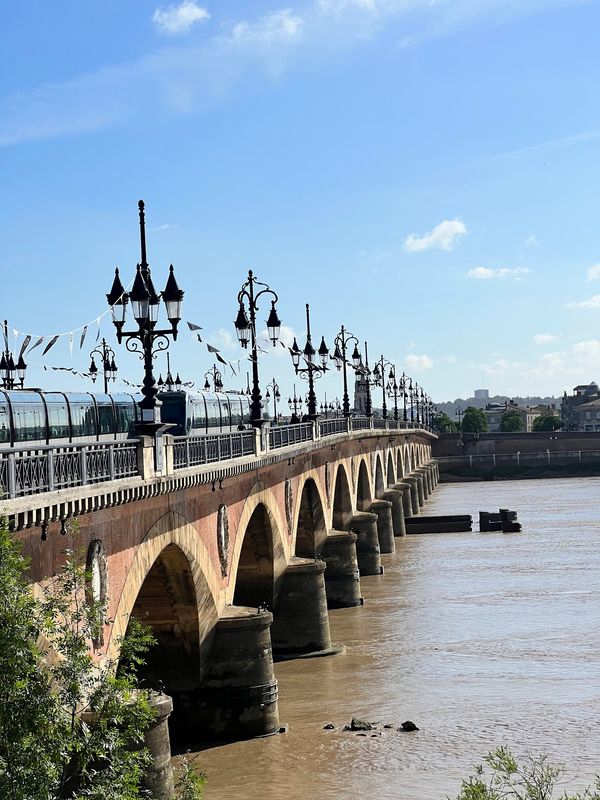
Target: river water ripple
[(481, 639)]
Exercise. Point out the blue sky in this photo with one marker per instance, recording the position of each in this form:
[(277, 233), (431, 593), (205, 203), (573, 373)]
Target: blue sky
[(425, 172)]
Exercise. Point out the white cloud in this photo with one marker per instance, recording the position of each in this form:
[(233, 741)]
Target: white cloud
[(592, 302), (545, 338), (179, 19), (484, 273), (417, 363), (223, 340), (286, 339), (532, 241), (593, 272), (576, 364), (337, 7), (282, 25), (442, 237)]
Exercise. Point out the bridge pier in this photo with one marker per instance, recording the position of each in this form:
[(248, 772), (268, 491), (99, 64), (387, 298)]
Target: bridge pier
[(158, 777), (385, 528), (238, 697), (301, 623), (420, 493), (404, 487), (422, 476), (394, 496), (414, 493), (368, 553), (342, 578)]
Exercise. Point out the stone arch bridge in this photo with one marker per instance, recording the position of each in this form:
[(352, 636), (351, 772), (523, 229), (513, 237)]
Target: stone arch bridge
[(230, 547)]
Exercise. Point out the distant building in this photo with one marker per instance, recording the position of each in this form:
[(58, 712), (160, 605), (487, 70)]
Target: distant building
[(579, 411), (495, 411), (482, 394)]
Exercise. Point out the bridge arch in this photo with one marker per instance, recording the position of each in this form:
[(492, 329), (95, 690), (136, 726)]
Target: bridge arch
[(379, 479), (172, 587), (342, 500), (260, 551), (390, 473), (310, 526), (363, 487)]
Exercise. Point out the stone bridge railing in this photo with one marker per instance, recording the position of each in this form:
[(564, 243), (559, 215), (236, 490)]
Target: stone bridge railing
[(35, 479)]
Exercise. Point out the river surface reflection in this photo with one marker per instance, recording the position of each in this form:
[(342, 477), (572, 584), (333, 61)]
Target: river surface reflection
[(481, 639)]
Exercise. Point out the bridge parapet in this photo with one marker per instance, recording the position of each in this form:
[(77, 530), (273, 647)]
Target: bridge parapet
[(44, 484)]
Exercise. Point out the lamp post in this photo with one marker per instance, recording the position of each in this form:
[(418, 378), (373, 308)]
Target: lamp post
[(311, 370), (411, 397), (363, 369), (341, 342), (147, 340), (107, 358), (392, 389), (246, 332), (276, 396), (11, 373), (213, 376), (169, 385), (295, 407), (379, 380), (459, 415)]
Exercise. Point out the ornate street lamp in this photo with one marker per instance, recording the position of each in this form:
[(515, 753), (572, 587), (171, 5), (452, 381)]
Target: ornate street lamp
[(213, 376), (276, 396), (364, 370), (295, 407), (311, 370), (341, 342), (379, 380), (107, 358), (411, 396), (392, 389), (11, 373), (147, 340), (246, 333)]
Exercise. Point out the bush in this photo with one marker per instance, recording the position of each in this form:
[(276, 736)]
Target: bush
[(504, 777)]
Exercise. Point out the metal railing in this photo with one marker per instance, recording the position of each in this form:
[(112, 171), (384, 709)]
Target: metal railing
[(285, 435), (329, 427), (193, 451), (27, 471), (360, 423), (519, 458)]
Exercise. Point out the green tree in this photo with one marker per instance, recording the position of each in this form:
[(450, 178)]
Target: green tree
[(547, 422), (503, 777), (443, 424), (511, 421), (70, 727), (474, 421)]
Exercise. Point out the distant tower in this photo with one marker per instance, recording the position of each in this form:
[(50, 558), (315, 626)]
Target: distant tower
[(360, 395), (482, 394)]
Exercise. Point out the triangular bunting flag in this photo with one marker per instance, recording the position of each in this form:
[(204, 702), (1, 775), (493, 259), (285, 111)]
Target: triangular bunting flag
[(50, 344), (220, 358), (211, 349), (24, 346), (83, 334), (193, 327)]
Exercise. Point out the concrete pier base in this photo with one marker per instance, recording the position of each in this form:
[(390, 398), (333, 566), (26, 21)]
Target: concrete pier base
[(238, 698), (395, 497), (342, 578), (159, 775), (364, 525), (385, 528), (422, 474), (414, 493), (301, 623), (404, 487), (420, 491)]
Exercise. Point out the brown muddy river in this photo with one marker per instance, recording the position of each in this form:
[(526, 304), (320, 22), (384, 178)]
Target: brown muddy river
[(481, 639)]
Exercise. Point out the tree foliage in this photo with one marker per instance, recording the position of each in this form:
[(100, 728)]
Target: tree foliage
[(443, 424), (71, 728), (547, 422), (503, 777), (511, 421), (474, 421)]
